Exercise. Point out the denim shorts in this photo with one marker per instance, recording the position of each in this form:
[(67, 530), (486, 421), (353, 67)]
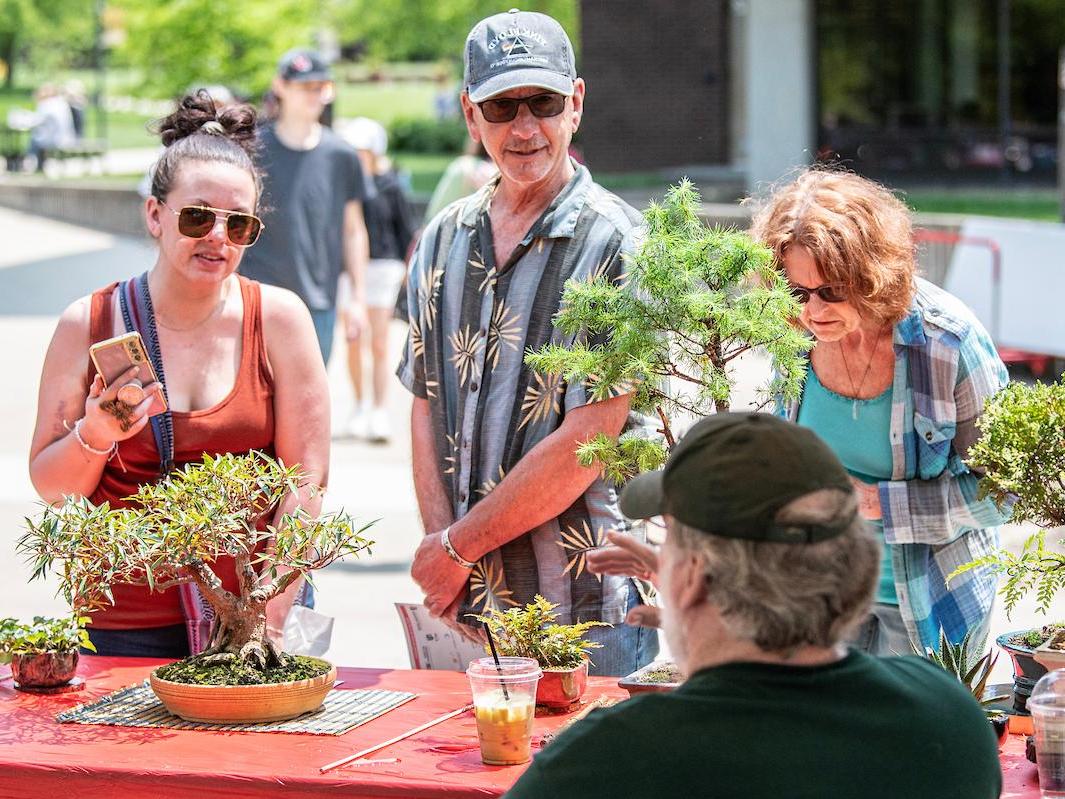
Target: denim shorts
[(625, 648)]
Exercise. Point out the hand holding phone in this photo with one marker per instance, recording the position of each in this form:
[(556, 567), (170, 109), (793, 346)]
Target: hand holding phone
[(115, 357)]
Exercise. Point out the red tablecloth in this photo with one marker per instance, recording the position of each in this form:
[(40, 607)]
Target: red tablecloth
[(40, 757)]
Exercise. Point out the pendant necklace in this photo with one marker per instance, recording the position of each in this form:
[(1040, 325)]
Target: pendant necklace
[(857, 390)]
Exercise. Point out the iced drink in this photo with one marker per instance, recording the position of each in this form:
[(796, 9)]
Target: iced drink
[(504, 729), (504, 699)]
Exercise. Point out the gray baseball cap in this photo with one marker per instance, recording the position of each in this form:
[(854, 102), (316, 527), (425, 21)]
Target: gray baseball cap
[(517, 49)]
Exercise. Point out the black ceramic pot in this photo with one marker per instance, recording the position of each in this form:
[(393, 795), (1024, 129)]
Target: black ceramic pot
[(1000, 722), (1026, 671)]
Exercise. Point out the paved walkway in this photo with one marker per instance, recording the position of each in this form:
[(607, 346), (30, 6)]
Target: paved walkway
[(44, 265)]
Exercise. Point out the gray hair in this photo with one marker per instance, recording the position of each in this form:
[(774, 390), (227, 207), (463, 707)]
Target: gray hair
[(784, 596)]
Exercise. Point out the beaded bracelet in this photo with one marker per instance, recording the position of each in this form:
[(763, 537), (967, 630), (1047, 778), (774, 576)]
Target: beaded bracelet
[(110, 452), (445, 541)]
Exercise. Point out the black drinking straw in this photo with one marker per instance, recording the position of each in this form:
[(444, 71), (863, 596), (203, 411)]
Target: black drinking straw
[(495, 657)]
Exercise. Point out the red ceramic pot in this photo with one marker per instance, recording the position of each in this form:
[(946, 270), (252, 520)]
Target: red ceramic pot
[(562, 687), (44, 669)]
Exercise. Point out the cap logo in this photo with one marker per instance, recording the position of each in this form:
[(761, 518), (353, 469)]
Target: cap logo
[(515, 40), (302, 63), (515, 46)]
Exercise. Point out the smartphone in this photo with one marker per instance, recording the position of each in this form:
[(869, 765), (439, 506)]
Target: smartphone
[(115, 356)]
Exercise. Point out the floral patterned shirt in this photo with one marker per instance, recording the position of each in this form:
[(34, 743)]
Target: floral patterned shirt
[(471, 323)]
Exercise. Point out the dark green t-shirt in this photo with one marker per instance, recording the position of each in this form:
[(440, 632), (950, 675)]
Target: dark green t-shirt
[(897, 728)]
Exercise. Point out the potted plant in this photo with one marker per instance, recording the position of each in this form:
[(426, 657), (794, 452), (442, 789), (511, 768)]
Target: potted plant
[(695, 300), (560, 649), (662, 676), (170, 535), (971, 666), (44, 653), (1021, 645), (1021, 453)]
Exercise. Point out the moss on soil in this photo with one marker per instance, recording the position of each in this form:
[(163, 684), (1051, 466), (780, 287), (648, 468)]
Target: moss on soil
[(194, 672), (666, 673), (1036, 637)]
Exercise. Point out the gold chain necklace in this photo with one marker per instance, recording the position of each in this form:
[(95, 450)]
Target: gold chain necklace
[(857, 390), (214, 312)]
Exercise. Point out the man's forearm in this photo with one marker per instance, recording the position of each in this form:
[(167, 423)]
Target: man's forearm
[(544, 483), (433, 504)]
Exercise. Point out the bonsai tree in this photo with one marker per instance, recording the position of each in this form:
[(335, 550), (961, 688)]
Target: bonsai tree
[(531, 632), (176, 528), (43, 635), (696, 299), (1021, 452)]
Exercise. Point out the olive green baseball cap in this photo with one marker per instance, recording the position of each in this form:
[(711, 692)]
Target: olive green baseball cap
[(733, 472)]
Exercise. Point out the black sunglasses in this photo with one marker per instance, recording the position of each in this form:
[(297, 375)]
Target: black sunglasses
[(830, 292), (197, 221), (504, 109)]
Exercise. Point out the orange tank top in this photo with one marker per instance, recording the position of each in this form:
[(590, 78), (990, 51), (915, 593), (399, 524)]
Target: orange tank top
[(242, 421)]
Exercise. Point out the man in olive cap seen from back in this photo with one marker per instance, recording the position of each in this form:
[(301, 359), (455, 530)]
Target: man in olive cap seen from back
[(765, 568)]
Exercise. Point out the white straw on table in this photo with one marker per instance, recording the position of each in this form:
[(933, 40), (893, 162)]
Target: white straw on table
[(390, 741)]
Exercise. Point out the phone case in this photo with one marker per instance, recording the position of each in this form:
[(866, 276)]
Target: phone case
[(115, 356)]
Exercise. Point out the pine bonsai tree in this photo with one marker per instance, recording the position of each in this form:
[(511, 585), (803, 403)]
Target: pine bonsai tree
[(176, 528), (696, 299)]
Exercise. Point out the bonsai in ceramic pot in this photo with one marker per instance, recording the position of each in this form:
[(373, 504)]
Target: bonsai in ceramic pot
[(969, 663), (1021, 454), (171, 534), (43, 653), (560, 649), (1021, 645)]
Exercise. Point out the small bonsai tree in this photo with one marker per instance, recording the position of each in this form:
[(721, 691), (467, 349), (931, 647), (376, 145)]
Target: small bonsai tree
[(968, 664), (695, 300), (1021, 453), (531, 632), (42, 635), (176, 528)]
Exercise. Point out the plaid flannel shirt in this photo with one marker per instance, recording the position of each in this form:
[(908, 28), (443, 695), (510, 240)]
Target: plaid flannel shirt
[(946, 367)]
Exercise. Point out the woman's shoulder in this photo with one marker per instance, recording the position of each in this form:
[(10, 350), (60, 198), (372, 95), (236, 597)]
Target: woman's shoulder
[(280, 305), (942, 313)]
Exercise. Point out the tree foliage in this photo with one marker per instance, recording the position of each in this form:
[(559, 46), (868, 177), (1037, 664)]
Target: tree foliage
[(695, 299), (427, 30), (175, 529), (183, 44), (532, 632), (1021, 453), (46, 34)]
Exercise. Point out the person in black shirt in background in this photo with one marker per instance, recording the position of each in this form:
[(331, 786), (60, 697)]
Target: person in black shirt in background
[(391, 227)]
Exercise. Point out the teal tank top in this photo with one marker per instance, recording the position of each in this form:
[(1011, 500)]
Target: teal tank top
[(859, 432)]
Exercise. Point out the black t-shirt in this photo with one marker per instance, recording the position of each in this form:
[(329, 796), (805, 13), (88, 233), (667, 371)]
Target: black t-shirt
[(876, 728), (304, 196), (390, 222)]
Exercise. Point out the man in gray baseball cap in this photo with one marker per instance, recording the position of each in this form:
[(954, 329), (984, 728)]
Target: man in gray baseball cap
[(765, 567), (507, 510)]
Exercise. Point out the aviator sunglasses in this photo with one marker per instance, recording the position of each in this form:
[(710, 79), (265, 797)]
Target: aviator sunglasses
[(197, 221), (504, 109), (830, 292)]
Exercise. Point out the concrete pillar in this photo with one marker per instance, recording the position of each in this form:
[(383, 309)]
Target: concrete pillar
[(781, 88)]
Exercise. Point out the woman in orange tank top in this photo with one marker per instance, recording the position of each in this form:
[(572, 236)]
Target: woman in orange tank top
[(241, 363)]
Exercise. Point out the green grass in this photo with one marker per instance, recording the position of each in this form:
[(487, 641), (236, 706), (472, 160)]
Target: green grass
[(385, 101), (425, 169), (1041, 205)]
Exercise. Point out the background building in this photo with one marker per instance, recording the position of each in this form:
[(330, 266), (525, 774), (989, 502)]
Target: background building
[(908, 91)]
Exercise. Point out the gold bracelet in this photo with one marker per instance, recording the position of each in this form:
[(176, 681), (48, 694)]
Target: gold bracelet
[(445, 541)]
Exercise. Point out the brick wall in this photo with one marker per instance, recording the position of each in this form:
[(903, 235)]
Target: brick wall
[(657, 74)]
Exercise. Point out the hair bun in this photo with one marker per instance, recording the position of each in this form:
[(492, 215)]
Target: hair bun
[(198, 113)]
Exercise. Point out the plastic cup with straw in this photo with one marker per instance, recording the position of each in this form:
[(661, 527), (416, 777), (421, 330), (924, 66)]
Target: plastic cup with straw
[(504, 699)]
